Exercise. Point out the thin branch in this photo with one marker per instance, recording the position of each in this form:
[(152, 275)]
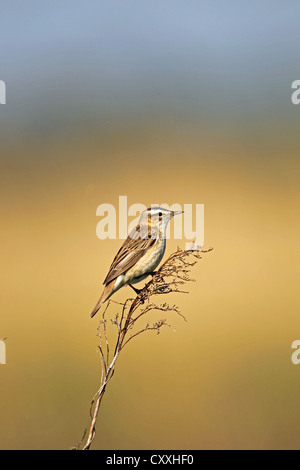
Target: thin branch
[(173, 273), (155, 327)]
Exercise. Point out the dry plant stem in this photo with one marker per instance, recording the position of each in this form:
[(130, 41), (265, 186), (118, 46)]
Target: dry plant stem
[(172, 274)]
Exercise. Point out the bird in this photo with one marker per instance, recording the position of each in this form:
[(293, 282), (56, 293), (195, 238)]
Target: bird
[(140, 254)]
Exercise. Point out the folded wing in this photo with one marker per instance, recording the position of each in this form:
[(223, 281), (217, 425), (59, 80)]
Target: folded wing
[(132, 250)]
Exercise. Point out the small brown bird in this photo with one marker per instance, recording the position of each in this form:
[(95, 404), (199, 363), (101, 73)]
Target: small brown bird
[(140, 254)]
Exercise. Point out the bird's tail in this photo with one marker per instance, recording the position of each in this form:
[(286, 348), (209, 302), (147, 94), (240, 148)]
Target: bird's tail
[(107, 292)]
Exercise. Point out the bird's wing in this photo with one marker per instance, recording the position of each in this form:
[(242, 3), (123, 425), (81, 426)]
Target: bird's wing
[(132, 250)]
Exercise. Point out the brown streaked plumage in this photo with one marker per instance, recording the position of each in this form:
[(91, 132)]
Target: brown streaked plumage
[(130, 252), (139, 255)]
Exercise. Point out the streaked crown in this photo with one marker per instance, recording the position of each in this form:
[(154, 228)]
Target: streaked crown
[(156, 219)]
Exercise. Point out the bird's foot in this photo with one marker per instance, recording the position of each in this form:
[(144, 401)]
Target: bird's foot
[(137, 291), (152, 273)]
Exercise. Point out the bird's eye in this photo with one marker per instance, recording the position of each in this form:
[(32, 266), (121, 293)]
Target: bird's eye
[(160, 214)]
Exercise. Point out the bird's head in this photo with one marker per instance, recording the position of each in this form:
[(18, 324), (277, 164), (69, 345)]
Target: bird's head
[(157, 218)]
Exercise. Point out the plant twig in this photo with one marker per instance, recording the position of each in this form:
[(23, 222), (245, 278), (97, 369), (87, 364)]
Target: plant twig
[(169, 278)]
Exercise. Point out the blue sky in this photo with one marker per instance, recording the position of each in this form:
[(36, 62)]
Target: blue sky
[(120, 56)]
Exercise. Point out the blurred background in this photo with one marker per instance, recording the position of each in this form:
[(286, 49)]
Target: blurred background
[(164, 102)]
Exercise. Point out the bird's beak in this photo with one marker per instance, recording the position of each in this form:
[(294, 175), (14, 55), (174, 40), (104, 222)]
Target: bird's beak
[(177, 212)]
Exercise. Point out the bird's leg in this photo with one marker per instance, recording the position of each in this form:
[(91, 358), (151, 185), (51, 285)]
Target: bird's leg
[(137, 291), (152, 273)]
